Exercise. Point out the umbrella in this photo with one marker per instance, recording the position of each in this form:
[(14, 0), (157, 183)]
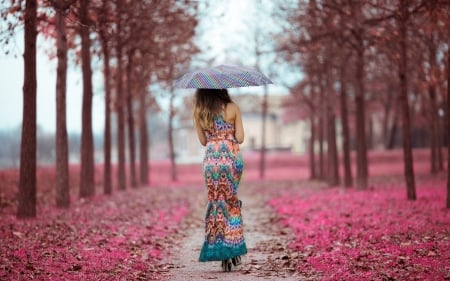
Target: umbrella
[(222, 77)]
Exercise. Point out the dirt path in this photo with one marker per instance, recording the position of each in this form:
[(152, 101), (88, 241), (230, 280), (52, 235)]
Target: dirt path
[(268, 257)]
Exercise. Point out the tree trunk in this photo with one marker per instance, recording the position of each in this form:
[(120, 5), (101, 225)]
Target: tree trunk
[(393, 129), (170, 137), (439, 144), (434, 141), (448, 129), (348, 179), (321, 150), (62, 150), (370, 136), (361, 150), (107, 179), (386, 118), (322, 173), (87, 187), (131, 137), (27, 178), (332, 157), (407, 150), (445, 120), (120, 105), (312, 140), (262, 161), (144, 168), (332, 163)]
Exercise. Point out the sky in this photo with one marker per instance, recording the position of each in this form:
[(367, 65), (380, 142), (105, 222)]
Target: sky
[(224, 31), (11, 95)]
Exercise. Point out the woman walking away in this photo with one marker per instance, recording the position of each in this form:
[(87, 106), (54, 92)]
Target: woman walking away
[(219, 127)]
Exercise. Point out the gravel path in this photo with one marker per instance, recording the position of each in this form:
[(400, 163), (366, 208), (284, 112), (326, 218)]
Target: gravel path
[(268, 257)]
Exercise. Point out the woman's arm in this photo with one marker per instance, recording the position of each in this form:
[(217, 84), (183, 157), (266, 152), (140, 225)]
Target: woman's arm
[(238, 126), (200, 132)]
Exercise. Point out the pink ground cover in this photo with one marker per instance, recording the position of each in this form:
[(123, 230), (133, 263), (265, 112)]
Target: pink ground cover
[(118, 237), (346, 234), (342, 234)]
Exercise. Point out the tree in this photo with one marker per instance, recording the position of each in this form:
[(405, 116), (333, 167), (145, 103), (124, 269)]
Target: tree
[(174, 54), (143, 139), (27, 178), (332, 164), (146, 100), (441, 11), (348, 179), (105, 38), (312, 140), (320, 59), (304, 95), (330, 52), (392, 47), (432, 35), (172, 155), (120, 101), (87, 188), (346, 27), (402, 22), (130, 119), (322, 127), (434, 143), (149, 51), (263, 48), (358, 42), (62, 150), (262, 160), (448, 126)]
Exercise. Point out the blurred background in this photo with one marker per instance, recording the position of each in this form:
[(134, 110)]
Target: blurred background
[(223, 32), (350, 77)]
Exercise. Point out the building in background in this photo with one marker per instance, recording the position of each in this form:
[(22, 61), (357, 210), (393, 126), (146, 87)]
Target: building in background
[(281, 135)]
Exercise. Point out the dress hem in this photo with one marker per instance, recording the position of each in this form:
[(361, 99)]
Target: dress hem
[(221, 253)]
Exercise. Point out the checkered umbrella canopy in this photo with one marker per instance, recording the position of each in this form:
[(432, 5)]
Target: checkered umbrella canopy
[(222, 77)]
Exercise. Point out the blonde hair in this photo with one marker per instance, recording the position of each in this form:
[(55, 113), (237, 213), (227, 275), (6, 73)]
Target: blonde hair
[(207, 104)]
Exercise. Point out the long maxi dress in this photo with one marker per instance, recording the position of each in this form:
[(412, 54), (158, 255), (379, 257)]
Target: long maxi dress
[(222, 167)]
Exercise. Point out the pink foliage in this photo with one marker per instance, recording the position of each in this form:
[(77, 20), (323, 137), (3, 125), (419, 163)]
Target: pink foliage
[(118, 237), (345, 234), (341, 234)]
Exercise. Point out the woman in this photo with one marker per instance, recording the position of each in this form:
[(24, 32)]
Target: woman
[(219, 127)]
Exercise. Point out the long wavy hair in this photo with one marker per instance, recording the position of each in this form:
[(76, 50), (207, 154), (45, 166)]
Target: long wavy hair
[(207, 104)]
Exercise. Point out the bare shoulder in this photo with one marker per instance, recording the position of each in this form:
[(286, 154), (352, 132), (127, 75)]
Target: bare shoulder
[(231, 112), (233, 108)]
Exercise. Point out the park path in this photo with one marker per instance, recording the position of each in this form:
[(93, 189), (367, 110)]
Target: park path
[(268, 256)]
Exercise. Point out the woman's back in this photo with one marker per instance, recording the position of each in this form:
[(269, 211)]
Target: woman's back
[(222, 130), (226, 124)]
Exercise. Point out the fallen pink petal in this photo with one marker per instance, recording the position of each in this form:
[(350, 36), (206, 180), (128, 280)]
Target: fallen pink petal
[(225, 140), (346, 234)]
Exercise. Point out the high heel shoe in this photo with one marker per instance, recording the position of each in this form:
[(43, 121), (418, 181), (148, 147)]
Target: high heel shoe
[(226, 265), (236, 260)]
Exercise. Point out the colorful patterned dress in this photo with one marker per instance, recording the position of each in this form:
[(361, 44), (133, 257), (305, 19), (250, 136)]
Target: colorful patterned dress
[(222, 167)]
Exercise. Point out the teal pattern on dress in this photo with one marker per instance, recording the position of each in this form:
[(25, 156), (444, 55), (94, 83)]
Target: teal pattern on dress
[(222, 167)]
